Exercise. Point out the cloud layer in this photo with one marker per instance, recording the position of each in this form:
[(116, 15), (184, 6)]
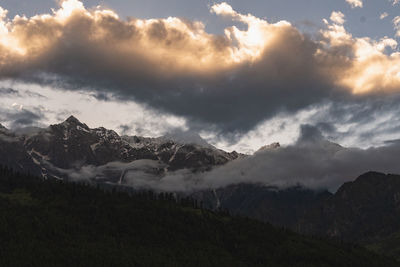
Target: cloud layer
[(312, 162), (233, 81)]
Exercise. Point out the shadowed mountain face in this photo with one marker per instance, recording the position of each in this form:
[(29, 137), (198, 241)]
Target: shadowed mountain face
[(369, 205), (51, 223), (365, 211), (13, 153), (71, 145), (280, 207)]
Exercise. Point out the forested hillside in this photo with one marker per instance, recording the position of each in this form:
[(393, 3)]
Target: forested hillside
[(52, 223)]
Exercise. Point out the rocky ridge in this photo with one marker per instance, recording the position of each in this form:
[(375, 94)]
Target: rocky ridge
[(71, 144)]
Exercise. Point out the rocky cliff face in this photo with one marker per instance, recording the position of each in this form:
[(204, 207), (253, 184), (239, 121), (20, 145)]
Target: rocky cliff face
[(72, 145), (280, 207), (360, 211), (365, 211), (13, 153)]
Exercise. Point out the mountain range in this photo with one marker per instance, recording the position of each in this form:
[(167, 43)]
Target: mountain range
[(70, 145), (364, 211)]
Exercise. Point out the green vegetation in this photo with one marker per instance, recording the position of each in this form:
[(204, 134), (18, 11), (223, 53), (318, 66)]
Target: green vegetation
[(51, 223), (387, 246)]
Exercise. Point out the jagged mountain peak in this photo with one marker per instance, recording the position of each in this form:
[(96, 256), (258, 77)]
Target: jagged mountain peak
[(186, 137), (73, 121), (371, 175), (371, 180), (62, 147)]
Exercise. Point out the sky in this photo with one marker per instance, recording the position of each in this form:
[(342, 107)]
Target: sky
[(362, 22), (242, 74)]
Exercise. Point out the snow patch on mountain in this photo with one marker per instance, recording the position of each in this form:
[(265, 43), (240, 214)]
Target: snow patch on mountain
[(71, 147), (186, 137)]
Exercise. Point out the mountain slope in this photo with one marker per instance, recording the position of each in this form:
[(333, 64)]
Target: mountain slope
[(71, 146), (366, 211), (280, 207), (50, 223), (14, 154)]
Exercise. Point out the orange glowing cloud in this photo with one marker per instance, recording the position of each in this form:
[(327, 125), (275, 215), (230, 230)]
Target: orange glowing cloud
[(371, 70), (180, 44)]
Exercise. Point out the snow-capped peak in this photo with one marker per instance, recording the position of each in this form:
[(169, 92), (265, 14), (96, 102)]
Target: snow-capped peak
[(186, 137), (74, 122)]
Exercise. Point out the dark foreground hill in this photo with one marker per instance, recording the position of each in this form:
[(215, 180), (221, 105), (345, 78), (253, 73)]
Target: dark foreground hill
[(50, 223), (365, 211)]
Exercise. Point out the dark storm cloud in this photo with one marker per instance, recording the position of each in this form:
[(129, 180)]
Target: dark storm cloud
[(10, 92), (310, 134), (21, 117), (233, 81), (125, 129)]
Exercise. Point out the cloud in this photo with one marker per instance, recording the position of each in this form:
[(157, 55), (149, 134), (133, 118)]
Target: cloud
[(396, 23), (312, 162), (368, 122), (383, 15), (117, 172), (230, 82), (19, 117), (356, 3), (125, 129), (394, 2), (171, 64), (8, 92), (337, 17), (372, 70)]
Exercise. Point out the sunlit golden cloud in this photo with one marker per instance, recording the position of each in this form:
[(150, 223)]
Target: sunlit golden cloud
[(337, 17), (372, 70), (174, 45), (181, 45), (252, 42)]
